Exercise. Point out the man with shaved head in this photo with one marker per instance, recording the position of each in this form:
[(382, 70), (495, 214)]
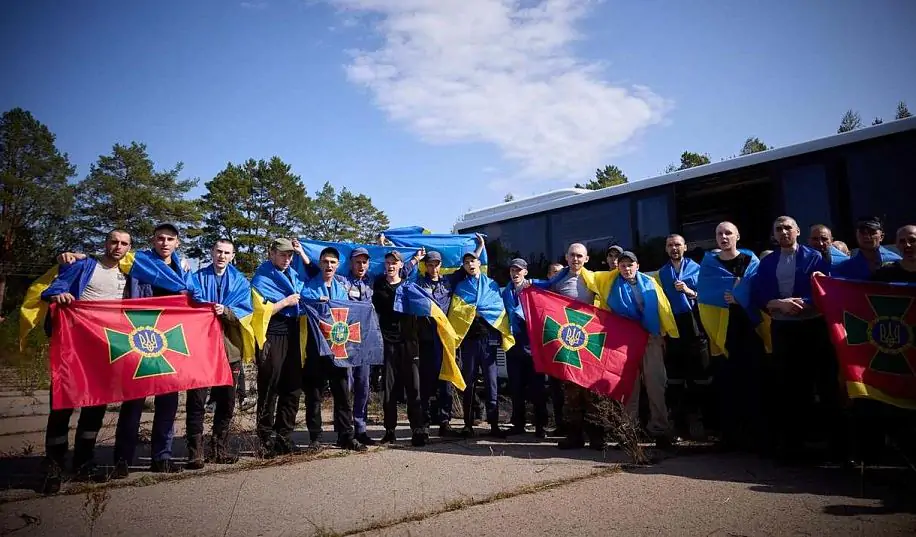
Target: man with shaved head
[(821, 239), (904, 269), (801, 347)]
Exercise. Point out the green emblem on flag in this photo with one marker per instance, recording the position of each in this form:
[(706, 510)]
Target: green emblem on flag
[(885, 331), (574, 337), (146, 343)]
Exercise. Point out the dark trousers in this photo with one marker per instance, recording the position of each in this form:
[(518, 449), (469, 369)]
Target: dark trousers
[(525, 385), (127, 433), (279, 386), (687, 368), (804, 364), (223, 396), (241, 388), (320, 370), (737, 382), (402, 372), (476, 355), (431, 386), (360, 375), (558, 399), (57, 440)]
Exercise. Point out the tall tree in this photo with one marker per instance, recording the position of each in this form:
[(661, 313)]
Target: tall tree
[(35, 197), (850, 122), (877, 121), (689, 159), (753, 145), (902, 111), (124, 190), (609, 176), (509, 197), (251, 203), (344, 216)]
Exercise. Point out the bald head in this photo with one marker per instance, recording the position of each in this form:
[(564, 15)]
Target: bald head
[(906, 243), (820, 238), (576, 257), (727, 237)]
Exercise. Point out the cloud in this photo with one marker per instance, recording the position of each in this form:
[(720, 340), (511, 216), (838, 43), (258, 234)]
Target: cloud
[(253, 5), (500, 72)]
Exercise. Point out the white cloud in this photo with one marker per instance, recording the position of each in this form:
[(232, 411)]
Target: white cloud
[(253, 5), (500, 72)]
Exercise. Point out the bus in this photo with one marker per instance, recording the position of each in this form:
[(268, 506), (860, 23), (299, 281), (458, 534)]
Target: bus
[(832, 180)]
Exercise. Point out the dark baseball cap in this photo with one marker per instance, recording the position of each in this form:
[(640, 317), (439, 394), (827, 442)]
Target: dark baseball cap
[(518, 263), (331, 251), (614, 248), (870, 222), (433, 256), (165, 226), (395, 254), (282, 245), (626, 254), (472, 255), (358, 252)]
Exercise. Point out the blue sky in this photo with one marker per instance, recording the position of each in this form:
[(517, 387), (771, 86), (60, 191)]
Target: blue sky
[(432, 107)]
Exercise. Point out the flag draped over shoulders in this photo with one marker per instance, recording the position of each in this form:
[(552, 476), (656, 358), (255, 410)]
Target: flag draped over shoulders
[(451, 247), (33, 310), (231, 289), (479, 296), (656, 315), (269, 286), (712, 283), (856, 267), (834, 258), (765, 286), (147, 267), (666, 276), (872, 327), (411, 299), (348, 330)]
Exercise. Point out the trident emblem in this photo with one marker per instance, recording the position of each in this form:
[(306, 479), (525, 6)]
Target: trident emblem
[(889, 335), (149, 341)]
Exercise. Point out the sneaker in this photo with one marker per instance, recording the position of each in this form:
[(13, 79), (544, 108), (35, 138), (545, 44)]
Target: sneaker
[(165, 466), (419, 438), (389, 437), (539, 432), (364, 439)]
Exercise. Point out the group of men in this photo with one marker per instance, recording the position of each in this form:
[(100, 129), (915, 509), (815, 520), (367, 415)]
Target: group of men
[(675, 370)]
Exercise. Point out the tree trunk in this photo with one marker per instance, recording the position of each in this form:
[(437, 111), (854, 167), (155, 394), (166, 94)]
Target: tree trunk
[(2, 290)]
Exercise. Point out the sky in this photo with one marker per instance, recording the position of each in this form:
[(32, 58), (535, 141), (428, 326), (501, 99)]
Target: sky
[(435, 107)]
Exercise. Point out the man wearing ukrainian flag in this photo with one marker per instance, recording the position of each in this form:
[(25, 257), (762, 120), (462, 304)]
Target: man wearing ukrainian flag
[(476, 310)]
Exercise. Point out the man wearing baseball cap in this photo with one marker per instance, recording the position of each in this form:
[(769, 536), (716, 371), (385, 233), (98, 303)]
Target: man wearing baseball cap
[(871, 255), (613, 253), (522, 377)]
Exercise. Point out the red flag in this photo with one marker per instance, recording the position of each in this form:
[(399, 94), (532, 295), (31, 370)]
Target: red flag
[(573, 341), (109, 351), (872, 327)]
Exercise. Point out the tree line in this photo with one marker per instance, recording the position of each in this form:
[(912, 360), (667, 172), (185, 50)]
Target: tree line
[(44, 209)]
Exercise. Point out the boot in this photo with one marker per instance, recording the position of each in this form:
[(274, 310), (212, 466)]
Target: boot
[(219, 449), (52, 479), (195, 452)]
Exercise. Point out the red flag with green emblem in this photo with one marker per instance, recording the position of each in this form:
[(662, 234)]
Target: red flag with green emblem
[(582, 344), (872, 328), (109, 351)]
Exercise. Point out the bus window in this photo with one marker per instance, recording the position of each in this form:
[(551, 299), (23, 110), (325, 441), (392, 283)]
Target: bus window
[(881, 184), (601, 222), (524, 237), (805, 194), (653, 225)]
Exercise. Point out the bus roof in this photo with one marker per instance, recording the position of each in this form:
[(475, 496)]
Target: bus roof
[(572, 196)]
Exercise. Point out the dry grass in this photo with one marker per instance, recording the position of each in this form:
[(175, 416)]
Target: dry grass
[(612, 417)]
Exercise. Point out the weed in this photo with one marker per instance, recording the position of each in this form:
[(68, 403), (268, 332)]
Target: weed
[(94, 506)]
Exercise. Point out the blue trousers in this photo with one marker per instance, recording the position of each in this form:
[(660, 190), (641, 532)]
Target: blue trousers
[(360, 387), (127, 432), (430, 385), (476, 355)]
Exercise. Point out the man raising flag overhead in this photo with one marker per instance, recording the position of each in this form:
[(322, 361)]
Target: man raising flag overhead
[(476, 310)]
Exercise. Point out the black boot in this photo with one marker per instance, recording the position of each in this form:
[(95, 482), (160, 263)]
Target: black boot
[(52, 479), (219, 449), (195, 452)]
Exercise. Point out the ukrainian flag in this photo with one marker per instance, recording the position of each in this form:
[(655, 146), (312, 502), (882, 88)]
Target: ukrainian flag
[(377, 253), (712, 283), (409, 230), (451, 247), (656, 316), (479, 296), (269, 286), (237, 296), (410, 299), (34, 309)]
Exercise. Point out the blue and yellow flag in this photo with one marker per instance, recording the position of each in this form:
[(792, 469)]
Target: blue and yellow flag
[(269, 286), (479, 296), (857, 268), (232, 290), (408, 230), (451, 247), (351, 336), (410, 299), (690, 271), (655, 316), (147, 267), (34, 309), (712, 283), (376, 255)]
